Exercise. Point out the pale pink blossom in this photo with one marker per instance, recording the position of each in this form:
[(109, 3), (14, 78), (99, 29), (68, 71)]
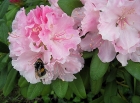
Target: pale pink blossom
[(135, 56), (78, 15), (64, 69), (91, 39), (18, 40), (49, 35), (25, 65), (53, 3), (119, 23), (83, 1), (90, 21), (106, 51)]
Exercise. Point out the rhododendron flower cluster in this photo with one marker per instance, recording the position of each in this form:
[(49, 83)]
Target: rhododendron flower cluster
[(46, 33), (112, 26)]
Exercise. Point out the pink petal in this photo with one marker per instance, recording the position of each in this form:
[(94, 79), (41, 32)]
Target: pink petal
[(106, 52)]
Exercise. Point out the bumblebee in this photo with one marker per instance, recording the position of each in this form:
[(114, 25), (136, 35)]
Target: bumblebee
[(40, 70)]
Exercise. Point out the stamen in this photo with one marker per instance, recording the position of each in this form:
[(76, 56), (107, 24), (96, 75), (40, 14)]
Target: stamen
[(13, 35), (36, 28), (62, 36)]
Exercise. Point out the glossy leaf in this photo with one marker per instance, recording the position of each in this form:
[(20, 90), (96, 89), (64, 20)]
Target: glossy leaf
[(98, 100), (46, 90), (87, 55), (96, 85), (3, 36), (134, 69), (4, 8), (136, 99), (97, 67), (3, 77), (68, 94), (77, 87), (116, 99), (129, 80), (22, 82), (112, 75), (84, 73), (137, 87), (10, 82), (110, 90), (60, 87), (34, 90), (24, 91), (4, 62), (68, 5), (10, 15), (46, 99)]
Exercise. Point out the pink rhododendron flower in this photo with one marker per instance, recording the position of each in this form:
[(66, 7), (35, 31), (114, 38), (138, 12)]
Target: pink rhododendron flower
[(92, 39), (78, 15), (49, 35), (64, 69), (135, 56), (119, 23), (90, 21), (53, 3)]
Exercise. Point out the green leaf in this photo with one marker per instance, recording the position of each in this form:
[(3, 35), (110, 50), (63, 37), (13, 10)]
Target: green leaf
[(112, 75), (87, 55), (68, 5), (3, 77), (46, 99), (137, 87), (98, 100), (116, 99), (3, 36), (10, 82), (3, 62), (110, 90), (24, 91), (10, 66), (76, 100), (97, 67), (68, 94), (136, 99), (5, 59), (84, 73), (129, 80), (22, 82), (77, 87), (46, 90), (4, 8), (96, 85), (60, 87), (2, 21), (10, 15), (134, 69), (34, 90)]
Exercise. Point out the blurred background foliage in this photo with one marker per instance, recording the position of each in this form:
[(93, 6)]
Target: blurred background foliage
[(97, 82)]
